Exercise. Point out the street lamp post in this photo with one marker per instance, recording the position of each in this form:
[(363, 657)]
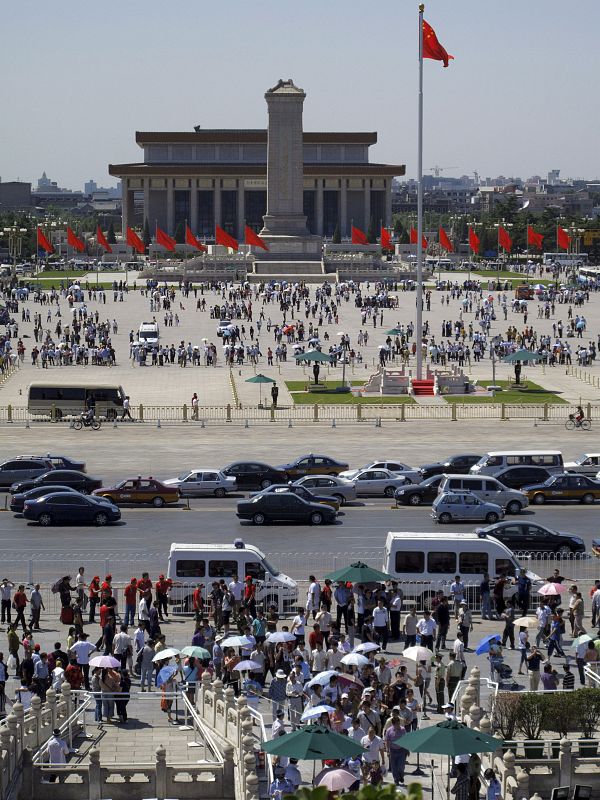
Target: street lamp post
[(15, 236), (343, 338)]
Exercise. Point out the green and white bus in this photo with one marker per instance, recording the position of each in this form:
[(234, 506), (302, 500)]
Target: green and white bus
[(106, 398)]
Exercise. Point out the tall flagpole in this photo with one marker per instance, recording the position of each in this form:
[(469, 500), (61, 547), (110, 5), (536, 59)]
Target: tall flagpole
[(419, 331)]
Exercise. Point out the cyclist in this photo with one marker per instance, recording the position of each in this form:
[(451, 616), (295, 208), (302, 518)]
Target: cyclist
[(579, 416)]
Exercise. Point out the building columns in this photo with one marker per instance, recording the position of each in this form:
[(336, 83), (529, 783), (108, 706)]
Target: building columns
[(147, 204), (241, 210), (344, 208), (193, 221), (170, 207), (124, 205), (217, 202), (367, 203), (388, 203), (319, 207)]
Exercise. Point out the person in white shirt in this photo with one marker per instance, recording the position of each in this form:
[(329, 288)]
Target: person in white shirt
[(139, 638), (457, 591), (395, 612), (313, 598), (57, 750), (381, 617), (236, 587), (123, 648), (344, 644), (355, 732), (298, 625), (6, 588), (374, 746), (143, 616), (458, 648), (324, 620), (543, 614), (368, 717), (334, 656), (426, 628), (318, 659), (82, 649), (81, 585)]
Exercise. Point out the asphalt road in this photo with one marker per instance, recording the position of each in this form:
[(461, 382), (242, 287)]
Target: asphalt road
[(143, 538)]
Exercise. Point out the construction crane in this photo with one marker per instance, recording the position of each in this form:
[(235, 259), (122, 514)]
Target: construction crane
[(437, 169)]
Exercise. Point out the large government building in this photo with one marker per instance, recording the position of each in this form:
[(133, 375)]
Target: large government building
[(209, 177)]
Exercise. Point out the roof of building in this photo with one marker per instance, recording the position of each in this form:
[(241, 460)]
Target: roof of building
[(248, 135), (255, 170)]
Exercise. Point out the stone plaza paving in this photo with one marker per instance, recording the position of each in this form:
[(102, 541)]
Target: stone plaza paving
[(172, 385)]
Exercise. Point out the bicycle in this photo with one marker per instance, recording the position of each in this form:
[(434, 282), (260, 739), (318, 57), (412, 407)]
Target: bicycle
[(86, 422), (572, 423)]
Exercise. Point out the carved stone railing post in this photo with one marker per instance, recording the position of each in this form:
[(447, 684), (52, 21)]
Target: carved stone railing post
[(466, 701), (565, 758), (522, 790), (26, 790), (95, 775), (474, 683), (252, 787), (228, 771), (51, 703), (475, 715), (19, 713), (509, 770), (161, 773), (36, 712), (65, 691)]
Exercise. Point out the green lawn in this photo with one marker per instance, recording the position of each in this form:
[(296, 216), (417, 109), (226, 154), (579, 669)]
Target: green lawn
[(533, 394), (63, 273), (310, 398)]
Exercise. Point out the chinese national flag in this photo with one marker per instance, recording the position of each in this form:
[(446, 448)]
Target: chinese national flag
[(42, 241), (222, 237), (165, 240), (74, 241), (473, 241), (250, 237), (358, 236), (445, 241), (504, 239), (133, 240), (563, 240), (191, 239), (101, 239), (431, 47), (413, 238), (534, 239), (386, 239)]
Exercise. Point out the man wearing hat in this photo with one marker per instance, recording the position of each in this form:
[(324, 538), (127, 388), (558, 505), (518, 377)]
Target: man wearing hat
[(57, 750), (278, 726), (277, 692), (448, 709)]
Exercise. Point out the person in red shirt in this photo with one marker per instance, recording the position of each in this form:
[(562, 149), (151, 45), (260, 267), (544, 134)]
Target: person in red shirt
[(94, 596), (162, 598), (106, 588), (315, 636), (249, 599), (19, 603), (74, 676), (326, 594), (145, 586), (198, 602), (130, 593)]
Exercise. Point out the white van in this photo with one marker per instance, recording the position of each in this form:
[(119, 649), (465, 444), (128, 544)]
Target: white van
[(430, 561), (487, 489), (148, 334), (587, 464), (498, 460), (193, 564)]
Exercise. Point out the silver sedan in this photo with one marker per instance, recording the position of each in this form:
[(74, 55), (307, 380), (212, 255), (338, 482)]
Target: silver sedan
[(411, 474), (198, 482), (378, 482), (329, 486)]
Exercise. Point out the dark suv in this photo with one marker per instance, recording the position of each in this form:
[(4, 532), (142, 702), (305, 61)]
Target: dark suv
[(457, 465)]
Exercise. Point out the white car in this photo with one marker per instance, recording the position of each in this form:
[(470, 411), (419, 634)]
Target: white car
[(587, 464), (410, 474), (203, 481), (378, 482)]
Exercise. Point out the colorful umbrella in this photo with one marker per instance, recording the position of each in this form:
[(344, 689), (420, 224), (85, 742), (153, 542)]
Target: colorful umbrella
[(195, 651), (335, 780), (552, 589), (483, 645), (105, 662), (165, 674)]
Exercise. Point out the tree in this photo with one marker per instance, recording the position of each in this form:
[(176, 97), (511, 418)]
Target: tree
[(337, 237), (180, 233), (372, 232), (146, 237), (111, 237)]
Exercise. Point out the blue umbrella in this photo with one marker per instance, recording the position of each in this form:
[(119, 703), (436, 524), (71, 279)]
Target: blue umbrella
[(484, 645), (164, 674)]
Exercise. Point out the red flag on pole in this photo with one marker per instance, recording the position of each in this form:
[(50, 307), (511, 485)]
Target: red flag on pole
[(192, 241), (358, 236), (445, 241), (473, 241), (222, 237), (165, 240), (413, 238), (534, 239), (133, 240), (386, 239), (431, 46), (42, 241), (250, 237), (563, 240), (102, 241), (504, 239), (74, 241)]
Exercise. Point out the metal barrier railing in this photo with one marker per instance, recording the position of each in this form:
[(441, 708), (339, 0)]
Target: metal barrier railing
[(259, 719)]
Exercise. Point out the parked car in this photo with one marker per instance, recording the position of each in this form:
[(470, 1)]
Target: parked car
[(459, 464), (416, 494), (63, 508), (285, 507), (532, 537), (254, 474), (517, 477), (300, 491), (410, 474), (453, 506), (313, 465), (488, 489), (65, 477), (379, 482), (25, 469), (564, 488), (330, 485), (60, 462), (17, 501), (203, 481), (140, 490), (587, 464)]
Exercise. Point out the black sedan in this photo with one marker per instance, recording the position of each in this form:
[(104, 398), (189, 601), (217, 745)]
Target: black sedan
[(531, 537), (313, 465), (62, 462), (416, 494), (517, 477), (457, 465), (65, 477), (284, 507), (301, 491), (254, 474), (17, 501), (65, 508)]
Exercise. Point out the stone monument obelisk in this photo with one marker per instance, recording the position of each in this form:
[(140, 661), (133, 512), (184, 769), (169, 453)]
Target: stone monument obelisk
[(285, 230)]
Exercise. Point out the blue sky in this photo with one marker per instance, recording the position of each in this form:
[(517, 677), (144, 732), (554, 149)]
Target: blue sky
[(520, 98)]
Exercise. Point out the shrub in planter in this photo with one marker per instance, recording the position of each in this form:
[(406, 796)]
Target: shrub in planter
[(532, 719), (587, 716), (562, 716), (506, 714)]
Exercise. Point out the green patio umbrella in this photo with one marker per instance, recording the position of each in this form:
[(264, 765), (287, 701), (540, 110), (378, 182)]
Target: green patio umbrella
[(521, 355), (449, 738), (395, 332), (313, 355), (313, 743), (260, 379), (359, 573)]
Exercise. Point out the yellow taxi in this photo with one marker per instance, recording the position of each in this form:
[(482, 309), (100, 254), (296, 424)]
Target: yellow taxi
[(140, 490)]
